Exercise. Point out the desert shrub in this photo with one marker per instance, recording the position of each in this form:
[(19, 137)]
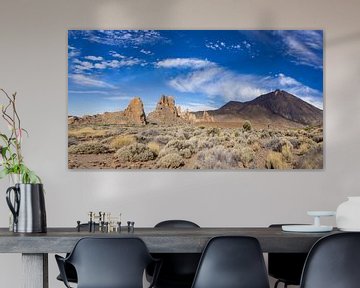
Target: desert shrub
[(304, 148), (150, 133), (295, 142), (247, 125), (72, 141), (274, 160), (313, 159), (276, 144), (256, 146), (163, 139), (92, 147), (154, 147), (286, 151), (216, 158), (213, 131), (172, 160), (135, 153), (204, 144), (121, 141), (264, 134), (246, 155), (184, 148), (86, 132), (317, 138)]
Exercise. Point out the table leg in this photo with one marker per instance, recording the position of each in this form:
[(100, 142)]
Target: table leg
[(35, 270)]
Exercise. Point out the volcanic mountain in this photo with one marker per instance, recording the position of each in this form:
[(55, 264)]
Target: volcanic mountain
[(278, 108)]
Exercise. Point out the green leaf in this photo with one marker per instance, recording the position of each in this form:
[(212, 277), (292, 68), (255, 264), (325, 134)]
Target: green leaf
[(4, 173)]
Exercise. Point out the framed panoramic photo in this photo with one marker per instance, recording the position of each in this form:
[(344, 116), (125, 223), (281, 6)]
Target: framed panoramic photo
[(195, 99)]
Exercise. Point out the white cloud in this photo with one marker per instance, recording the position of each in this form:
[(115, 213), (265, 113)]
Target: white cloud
[(146, 52), (94, 58), (82, 65), (123, 38), (193, 63), (194, 106), (219, 82), (220, 45), (116, 55), (84, 80), (304, 46), (86, 66), (73, 52)]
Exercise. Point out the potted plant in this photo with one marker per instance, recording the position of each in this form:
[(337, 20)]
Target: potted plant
[(27, 204)]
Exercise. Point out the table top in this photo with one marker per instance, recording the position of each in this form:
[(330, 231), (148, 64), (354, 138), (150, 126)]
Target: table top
[(158, 240)]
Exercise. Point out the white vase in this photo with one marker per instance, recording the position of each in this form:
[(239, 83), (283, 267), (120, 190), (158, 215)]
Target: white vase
[(348, 214)]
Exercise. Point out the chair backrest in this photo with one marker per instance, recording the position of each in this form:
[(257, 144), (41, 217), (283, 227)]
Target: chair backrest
[(176, 224), (178, 269), (232, 262), (333, 262), (286, 266), (110, 262)]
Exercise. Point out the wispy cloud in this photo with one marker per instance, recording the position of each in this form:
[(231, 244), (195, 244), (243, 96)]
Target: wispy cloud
[(94, 58), (116, 54), (83, 66), (222, 45), (73, 52), (196, 106), (123, 38), (217, 81), (193, 63), (88, 81), (304, 46), (146, 52)]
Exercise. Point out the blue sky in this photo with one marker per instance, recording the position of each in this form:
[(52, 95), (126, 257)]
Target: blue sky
[(202, 69)]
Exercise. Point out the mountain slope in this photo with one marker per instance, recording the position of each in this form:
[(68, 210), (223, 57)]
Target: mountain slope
[(274, 106)]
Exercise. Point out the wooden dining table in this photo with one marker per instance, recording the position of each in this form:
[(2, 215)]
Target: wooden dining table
[(35, 247)]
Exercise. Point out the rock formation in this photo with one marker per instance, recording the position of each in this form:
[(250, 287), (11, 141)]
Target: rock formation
[(135, 113), (165, 112)]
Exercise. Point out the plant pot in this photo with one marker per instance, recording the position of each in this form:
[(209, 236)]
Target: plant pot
[(27, 207), (348, 215)]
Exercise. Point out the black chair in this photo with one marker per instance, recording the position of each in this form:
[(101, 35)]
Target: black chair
[(232, 262), (286, 267), (69, 269), (333, 262), (108, 263), (178, 269)]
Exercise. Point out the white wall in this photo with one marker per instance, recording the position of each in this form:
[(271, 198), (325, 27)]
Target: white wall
[(33, 62)]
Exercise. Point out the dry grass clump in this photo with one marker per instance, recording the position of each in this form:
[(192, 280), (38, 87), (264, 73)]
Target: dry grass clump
[(92, 147), (217, 158), (184, 148), (154, 147), (286, 151), (87, 132), (135, 153), (172, 160), (246, 155), (313, 159), (122, 141), (274, 160)]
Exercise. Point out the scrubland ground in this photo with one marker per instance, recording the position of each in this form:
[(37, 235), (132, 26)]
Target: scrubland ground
[(193, 147)]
